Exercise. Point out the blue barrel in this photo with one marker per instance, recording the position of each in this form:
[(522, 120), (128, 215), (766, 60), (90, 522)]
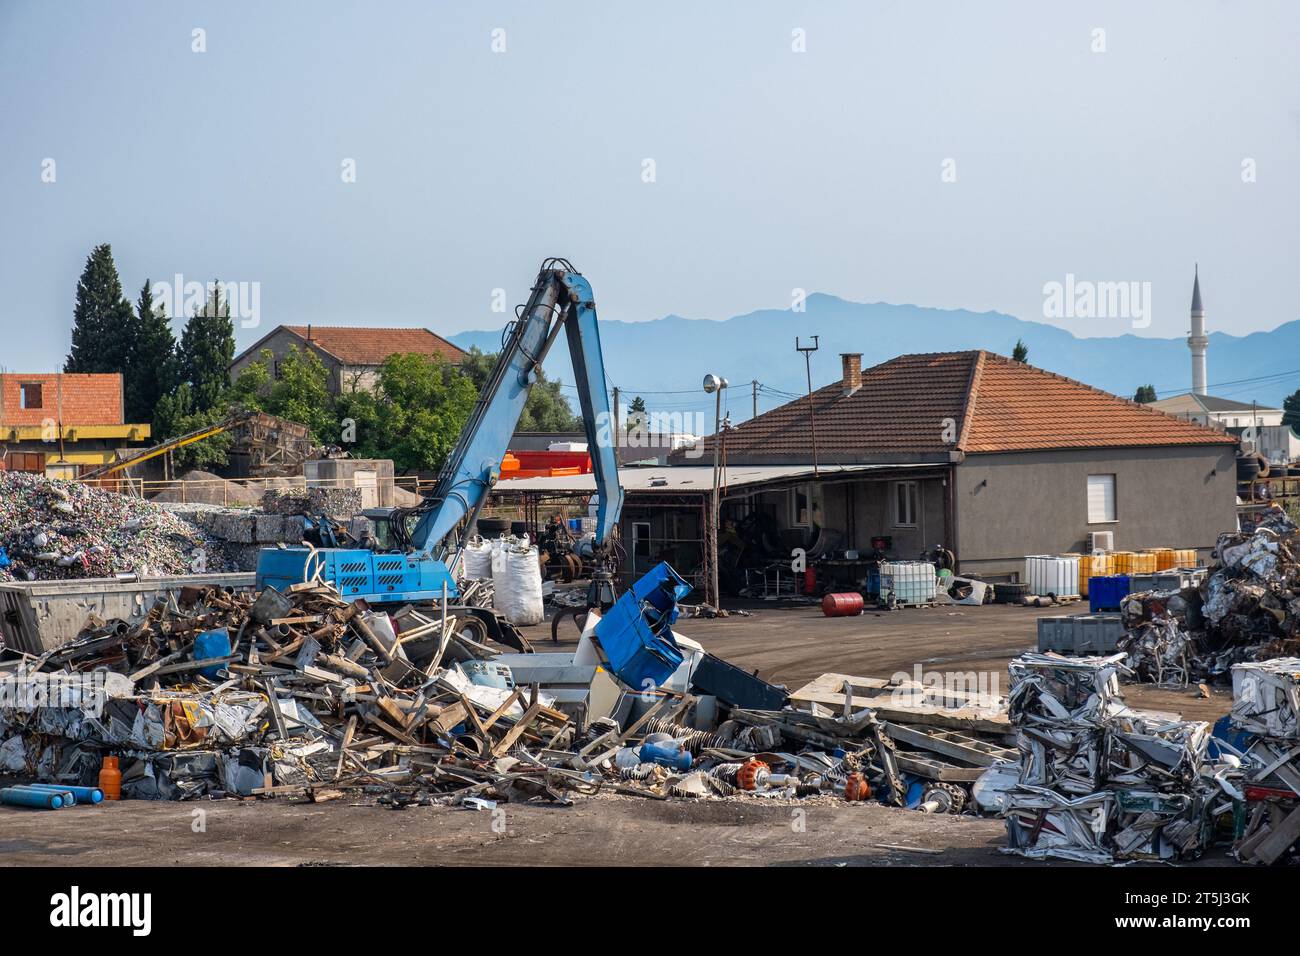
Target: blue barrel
[(209, 645), (666, 755)]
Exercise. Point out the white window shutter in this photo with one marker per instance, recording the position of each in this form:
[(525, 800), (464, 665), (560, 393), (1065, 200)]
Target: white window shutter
[(1101, 498)]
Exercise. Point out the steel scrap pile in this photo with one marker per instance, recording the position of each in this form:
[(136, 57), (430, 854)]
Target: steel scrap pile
[(215, 693), (1246, 609), (1099, 781), (302, 693), (59, 529), (1266, 712)]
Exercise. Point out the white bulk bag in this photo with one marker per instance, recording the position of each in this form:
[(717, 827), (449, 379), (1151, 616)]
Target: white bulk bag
[(477, 559), (518, 586)]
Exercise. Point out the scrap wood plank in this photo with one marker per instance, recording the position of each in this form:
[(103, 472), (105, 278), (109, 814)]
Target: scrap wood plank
[(911, 710), (949, 743), (514, 733), (1281, 839), (451, 715), (348, 732)]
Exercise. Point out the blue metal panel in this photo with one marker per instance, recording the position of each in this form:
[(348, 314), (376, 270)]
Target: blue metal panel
[(375, 576)]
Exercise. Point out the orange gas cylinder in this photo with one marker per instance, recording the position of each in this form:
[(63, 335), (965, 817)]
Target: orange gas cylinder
[(110, 779), (842, 605), (856, 787), (752, 774)]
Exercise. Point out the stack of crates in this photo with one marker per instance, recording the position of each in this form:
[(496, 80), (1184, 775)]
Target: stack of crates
[(1094, 566), (1134, 562), (1080, 634)]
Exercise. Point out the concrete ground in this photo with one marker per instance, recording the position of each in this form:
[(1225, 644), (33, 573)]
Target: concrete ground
[(789, 645)]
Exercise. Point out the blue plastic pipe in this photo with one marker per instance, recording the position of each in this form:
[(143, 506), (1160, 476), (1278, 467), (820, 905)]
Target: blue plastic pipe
[(83, 794), (23, 797), (69, 798)]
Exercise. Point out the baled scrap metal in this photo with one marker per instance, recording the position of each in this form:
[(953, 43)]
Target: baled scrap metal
[(1099, 781), (1266, 706), (1266, 698)]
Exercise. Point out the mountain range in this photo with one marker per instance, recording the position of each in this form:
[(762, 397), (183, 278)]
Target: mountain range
[(664, 360)]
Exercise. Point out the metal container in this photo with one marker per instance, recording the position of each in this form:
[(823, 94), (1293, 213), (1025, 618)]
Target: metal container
[(37, 616)]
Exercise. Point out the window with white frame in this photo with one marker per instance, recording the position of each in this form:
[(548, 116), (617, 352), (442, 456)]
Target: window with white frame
[(1101, 499), (805, 505), (906, 503)]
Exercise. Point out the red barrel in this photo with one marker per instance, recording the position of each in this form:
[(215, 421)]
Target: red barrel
[(842, 605)]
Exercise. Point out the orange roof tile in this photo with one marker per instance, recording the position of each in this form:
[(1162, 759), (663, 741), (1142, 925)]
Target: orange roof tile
[(372, 346), (926, 406)]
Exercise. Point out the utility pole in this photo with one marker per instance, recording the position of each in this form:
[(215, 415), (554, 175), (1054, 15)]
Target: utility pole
[(754, 388), (616, 428), (713, 385), (807, 351)]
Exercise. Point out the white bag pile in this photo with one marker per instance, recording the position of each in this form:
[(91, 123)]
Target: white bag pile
[(517, 581), (476, 562)]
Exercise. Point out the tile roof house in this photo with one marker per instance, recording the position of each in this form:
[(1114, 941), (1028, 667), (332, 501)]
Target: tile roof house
[(353, 355), (993, 458)]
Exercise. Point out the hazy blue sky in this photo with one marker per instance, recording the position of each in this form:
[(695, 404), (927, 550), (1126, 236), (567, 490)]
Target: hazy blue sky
[(775, 169)]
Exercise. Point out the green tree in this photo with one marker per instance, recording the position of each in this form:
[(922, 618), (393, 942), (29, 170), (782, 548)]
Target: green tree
[(1145, 394), (206, 351), (424, 404), (176, 415), (636, 414), (103, 323), (546, 408), (151, 371), (1291, 410), (1020, 353), (300, 393)]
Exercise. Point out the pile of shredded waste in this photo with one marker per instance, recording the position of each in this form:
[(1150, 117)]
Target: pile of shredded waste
[(61, 529)]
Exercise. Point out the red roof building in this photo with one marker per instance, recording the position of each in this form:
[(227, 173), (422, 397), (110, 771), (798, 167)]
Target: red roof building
[(352, 354)]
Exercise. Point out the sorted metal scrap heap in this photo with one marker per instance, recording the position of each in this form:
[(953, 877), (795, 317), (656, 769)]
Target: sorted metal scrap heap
[(59, 529), (1246, 609)]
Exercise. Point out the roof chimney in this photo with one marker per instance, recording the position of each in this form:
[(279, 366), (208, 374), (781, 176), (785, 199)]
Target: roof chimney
[(852, 362)]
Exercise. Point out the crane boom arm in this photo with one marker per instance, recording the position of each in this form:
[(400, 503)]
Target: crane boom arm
[(561, 297)]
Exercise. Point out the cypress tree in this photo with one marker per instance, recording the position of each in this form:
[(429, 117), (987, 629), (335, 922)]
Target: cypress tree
[(151, 372), (104, 325)]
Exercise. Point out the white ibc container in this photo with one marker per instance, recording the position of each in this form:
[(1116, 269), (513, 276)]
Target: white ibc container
[(910, 582), (1052, 574)]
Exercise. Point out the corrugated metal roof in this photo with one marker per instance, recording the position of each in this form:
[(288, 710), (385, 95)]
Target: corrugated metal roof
[(687, 479)]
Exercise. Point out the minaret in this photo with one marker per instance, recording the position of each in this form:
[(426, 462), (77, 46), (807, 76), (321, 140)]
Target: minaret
[(1198, 341)]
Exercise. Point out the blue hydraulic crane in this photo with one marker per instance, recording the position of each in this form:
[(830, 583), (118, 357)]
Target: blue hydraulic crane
[(423, 543)]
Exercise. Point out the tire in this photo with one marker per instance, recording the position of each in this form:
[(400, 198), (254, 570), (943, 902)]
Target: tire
[(493, 527), (474, 629), (1009, 593)]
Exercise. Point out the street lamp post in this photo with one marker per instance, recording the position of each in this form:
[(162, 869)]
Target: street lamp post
[(713, 385)]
